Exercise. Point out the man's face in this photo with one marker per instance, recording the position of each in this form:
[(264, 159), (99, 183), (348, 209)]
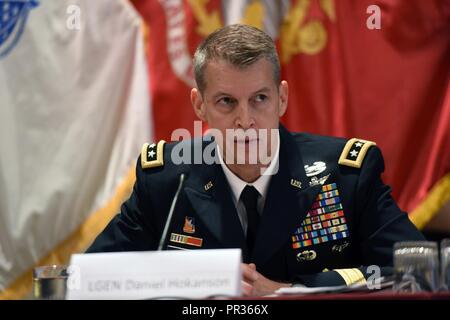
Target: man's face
[(241, 99)]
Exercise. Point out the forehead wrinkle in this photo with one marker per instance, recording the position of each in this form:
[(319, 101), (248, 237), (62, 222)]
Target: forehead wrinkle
[(238, 82)]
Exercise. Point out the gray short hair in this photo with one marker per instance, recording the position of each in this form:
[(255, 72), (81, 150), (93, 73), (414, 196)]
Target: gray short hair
[(237, 44)]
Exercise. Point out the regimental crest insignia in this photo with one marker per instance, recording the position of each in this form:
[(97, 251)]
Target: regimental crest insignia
[(354, 152), (189, 225), (152, 155), (13, 17)]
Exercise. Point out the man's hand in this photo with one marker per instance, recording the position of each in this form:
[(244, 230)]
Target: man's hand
[(255, 284)]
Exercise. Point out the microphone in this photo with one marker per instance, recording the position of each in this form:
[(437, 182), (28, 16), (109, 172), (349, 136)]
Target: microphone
[(163, 239)]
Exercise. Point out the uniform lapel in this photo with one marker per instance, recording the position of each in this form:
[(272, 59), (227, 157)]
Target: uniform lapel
[(286, 204), (285, 208), (210, 196)]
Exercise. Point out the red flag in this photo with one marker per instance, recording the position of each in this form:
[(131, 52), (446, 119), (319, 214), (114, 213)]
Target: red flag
[(389, 85), (175, 28)]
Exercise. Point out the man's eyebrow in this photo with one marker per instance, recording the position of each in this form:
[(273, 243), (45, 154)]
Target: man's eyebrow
[(264, 89), (220, 93)]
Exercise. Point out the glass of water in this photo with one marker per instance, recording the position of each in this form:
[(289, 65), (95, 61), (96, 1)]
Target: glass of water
[(49, 282), (445, 264), (416, 266)]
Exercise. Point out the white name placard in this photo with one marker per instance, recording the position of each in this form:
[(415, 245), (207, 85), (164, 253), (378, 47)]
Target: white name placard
[(155, 274)]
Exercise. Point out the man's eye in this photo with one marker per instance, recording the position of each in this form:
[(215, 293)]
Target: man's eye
[(260, 98), (226, 101)]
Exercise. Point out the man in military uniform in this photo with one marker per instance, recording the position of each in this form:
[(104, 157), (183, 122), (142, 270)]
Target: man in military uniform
[(318, 214)]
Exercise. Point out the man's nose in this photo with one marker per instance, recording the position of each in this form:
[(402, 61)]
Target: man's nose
[(244, 118)]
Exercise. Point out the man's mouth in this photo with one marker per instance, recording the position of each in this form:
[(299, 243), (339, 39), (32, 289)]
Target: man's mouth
[(245, 140)]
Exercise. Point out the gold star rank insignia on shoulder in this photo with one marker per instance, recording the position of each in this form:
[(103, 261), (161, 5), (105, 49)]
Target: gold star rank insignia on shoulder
[(152, 155), (354, 152)]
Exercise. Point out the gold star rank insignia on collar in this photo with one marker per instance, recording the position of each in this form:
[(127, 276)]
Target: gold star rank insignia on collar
[(152, 155), (354, 152)]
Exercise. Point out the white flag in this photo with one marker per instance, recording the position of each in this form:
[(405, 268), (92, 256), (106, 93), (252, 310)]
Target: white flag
[(74, 112)]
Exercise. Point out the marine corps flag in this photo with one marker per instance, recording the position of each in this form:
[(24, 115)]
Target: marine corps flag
[(386, 81), (74, 112), (376, 70)]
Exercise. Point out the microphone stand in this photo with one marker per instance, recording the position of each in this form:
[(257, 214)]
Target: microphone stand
[(163, 239)]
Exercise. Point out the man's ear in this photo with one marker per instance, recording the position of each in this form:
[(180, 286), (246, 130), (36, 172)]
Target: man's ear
[(197, 104), (284, 93)]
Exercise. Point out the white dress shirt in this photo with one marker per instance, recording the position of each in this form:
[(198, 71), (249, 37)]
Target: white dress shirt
[(261, 184)]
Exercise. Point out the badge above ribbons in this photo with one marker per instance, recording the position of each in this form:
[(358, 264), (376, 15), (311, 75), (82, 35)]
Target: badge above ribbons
[(189, 225), (314, 170)]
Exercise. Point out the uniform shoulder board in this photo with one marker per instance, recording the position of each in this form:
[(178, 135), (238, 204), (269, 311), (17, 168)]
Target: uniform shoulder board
[(354, 152), (152, 155)]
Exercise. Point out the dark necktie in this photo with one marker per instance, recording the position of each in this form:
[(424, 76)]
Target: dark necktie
[(249, 197)]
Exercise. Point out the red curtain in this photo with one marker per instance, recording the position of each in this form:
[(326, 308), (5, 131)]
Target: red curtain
[(389, 85)]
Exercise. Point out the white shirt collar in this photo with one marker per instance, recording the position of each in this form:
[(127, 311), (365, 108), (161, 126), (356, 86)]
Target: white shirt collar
[(261, 184)]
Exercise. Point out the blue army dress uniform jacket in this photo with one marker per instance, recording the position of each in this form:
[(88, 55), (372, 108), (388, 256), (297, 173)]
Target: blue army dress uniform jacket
[(327, 214)]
